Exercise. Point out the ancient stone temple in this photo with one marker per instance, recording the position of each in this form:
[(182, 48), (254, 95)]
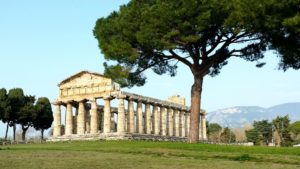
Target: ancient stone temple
[(134, 116)]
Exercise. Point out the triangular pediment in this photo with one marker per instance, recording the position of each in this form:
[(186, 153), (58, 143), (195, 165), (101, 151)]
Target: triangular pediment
[(86, 84), (85, 78)]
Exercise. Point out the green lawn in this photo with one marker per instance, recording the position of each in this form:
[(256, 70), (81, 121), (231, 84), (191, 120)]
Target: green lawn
[(142, 154)]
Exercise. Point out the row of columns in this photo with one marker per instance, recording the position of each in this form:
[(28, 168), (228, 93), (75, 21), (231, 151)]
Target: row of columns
[(162, 120)]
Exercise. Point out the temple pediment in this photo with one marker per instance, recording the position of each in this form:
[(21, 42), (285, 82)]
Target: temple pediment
[(85, 83)]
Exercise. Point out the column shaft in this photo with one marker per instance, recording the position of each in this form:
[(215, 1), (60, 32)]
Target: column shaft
[(130, 117), (87, 120), (57, 121), (170, 122), (94, 117), (203, 122), (121, 116), (188, 122), (183, 124), (163, 125), (140, 127), (107, 116), (176, 122), (75, 121), (156, 115), (81, 119), (200, 128), (148, 119), (69, 120)]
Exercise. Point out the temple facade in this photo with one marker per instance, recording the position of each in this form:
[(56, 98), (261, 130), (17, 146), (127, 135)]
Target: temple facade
[(134, 116)]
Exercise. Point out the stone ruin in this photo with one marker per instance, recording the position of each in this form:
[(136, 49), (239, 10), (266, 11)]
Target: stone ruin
[(143, 117)]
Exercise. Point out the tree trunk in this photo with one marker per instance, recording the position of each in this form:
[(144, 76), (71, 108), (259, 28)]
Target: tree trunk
[(42, 134), (24, 130), (195, 109), (6, 131), (14, 131)]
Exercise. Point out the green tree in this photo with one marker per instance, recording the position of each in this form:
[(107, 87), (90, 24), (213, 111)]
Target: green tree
[(227, 136), (252, 136), (281, 125), (295, 128), (26, 115), (44, 115), (200, 34), (4, 109), (214, 131), (264, 129), (16, 100)]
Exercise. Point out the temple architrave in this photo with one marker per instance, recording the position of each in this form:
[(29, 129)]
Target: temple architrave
[(135, 117)]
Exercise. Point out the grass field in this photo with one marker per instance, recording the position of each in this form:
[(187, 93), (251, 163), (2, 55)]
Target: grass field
[(143, 154)]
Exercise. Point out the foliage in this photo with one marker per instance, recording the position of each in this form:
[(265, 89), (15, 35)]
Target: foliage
[(214, 127), (16, 100), (150, 34), (264, 129), (281, 125), (227, 136), (3, 105), (295, 128), (5, 109), (26, 116), (214, 131), (200, 34), (43, 117), (16, 108), (253, 136)]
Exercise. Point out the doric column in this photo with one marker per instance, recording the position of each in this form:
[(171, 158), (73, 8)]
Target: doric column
[(170, 122), (57, 121), (87, 119), (94, 117), (107, 115), (182, 124), (176, 122), (203, 122), (113, 127), (148, 118), (200, 128), (75, 121), (69, 120), (188, 121), (81, 118), (163, 112), (156, 115), (121, 115), (140, 127), (130, 121)]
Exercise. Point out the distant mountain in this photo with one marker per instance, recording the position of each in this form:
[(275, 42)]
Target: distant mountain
[(242, 115)]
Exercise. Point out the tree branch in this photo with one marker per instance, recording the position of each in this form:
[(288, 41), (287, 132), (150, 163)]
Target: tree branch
[(219, 38), (177, 57)]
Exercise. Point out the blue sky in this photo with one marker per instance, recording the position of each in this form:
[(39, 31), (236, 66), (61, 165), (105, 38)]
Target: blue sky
[(44, 42)]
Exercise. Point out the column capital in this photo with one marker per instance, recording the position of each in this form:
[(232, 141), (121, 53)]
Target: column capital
[(57, 103), (92, 99), (121, 96), (170, 107), (69, 101), (131, 98), (139, 100), (147, 102), (81, 100), (108, 97), (203, 113)]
